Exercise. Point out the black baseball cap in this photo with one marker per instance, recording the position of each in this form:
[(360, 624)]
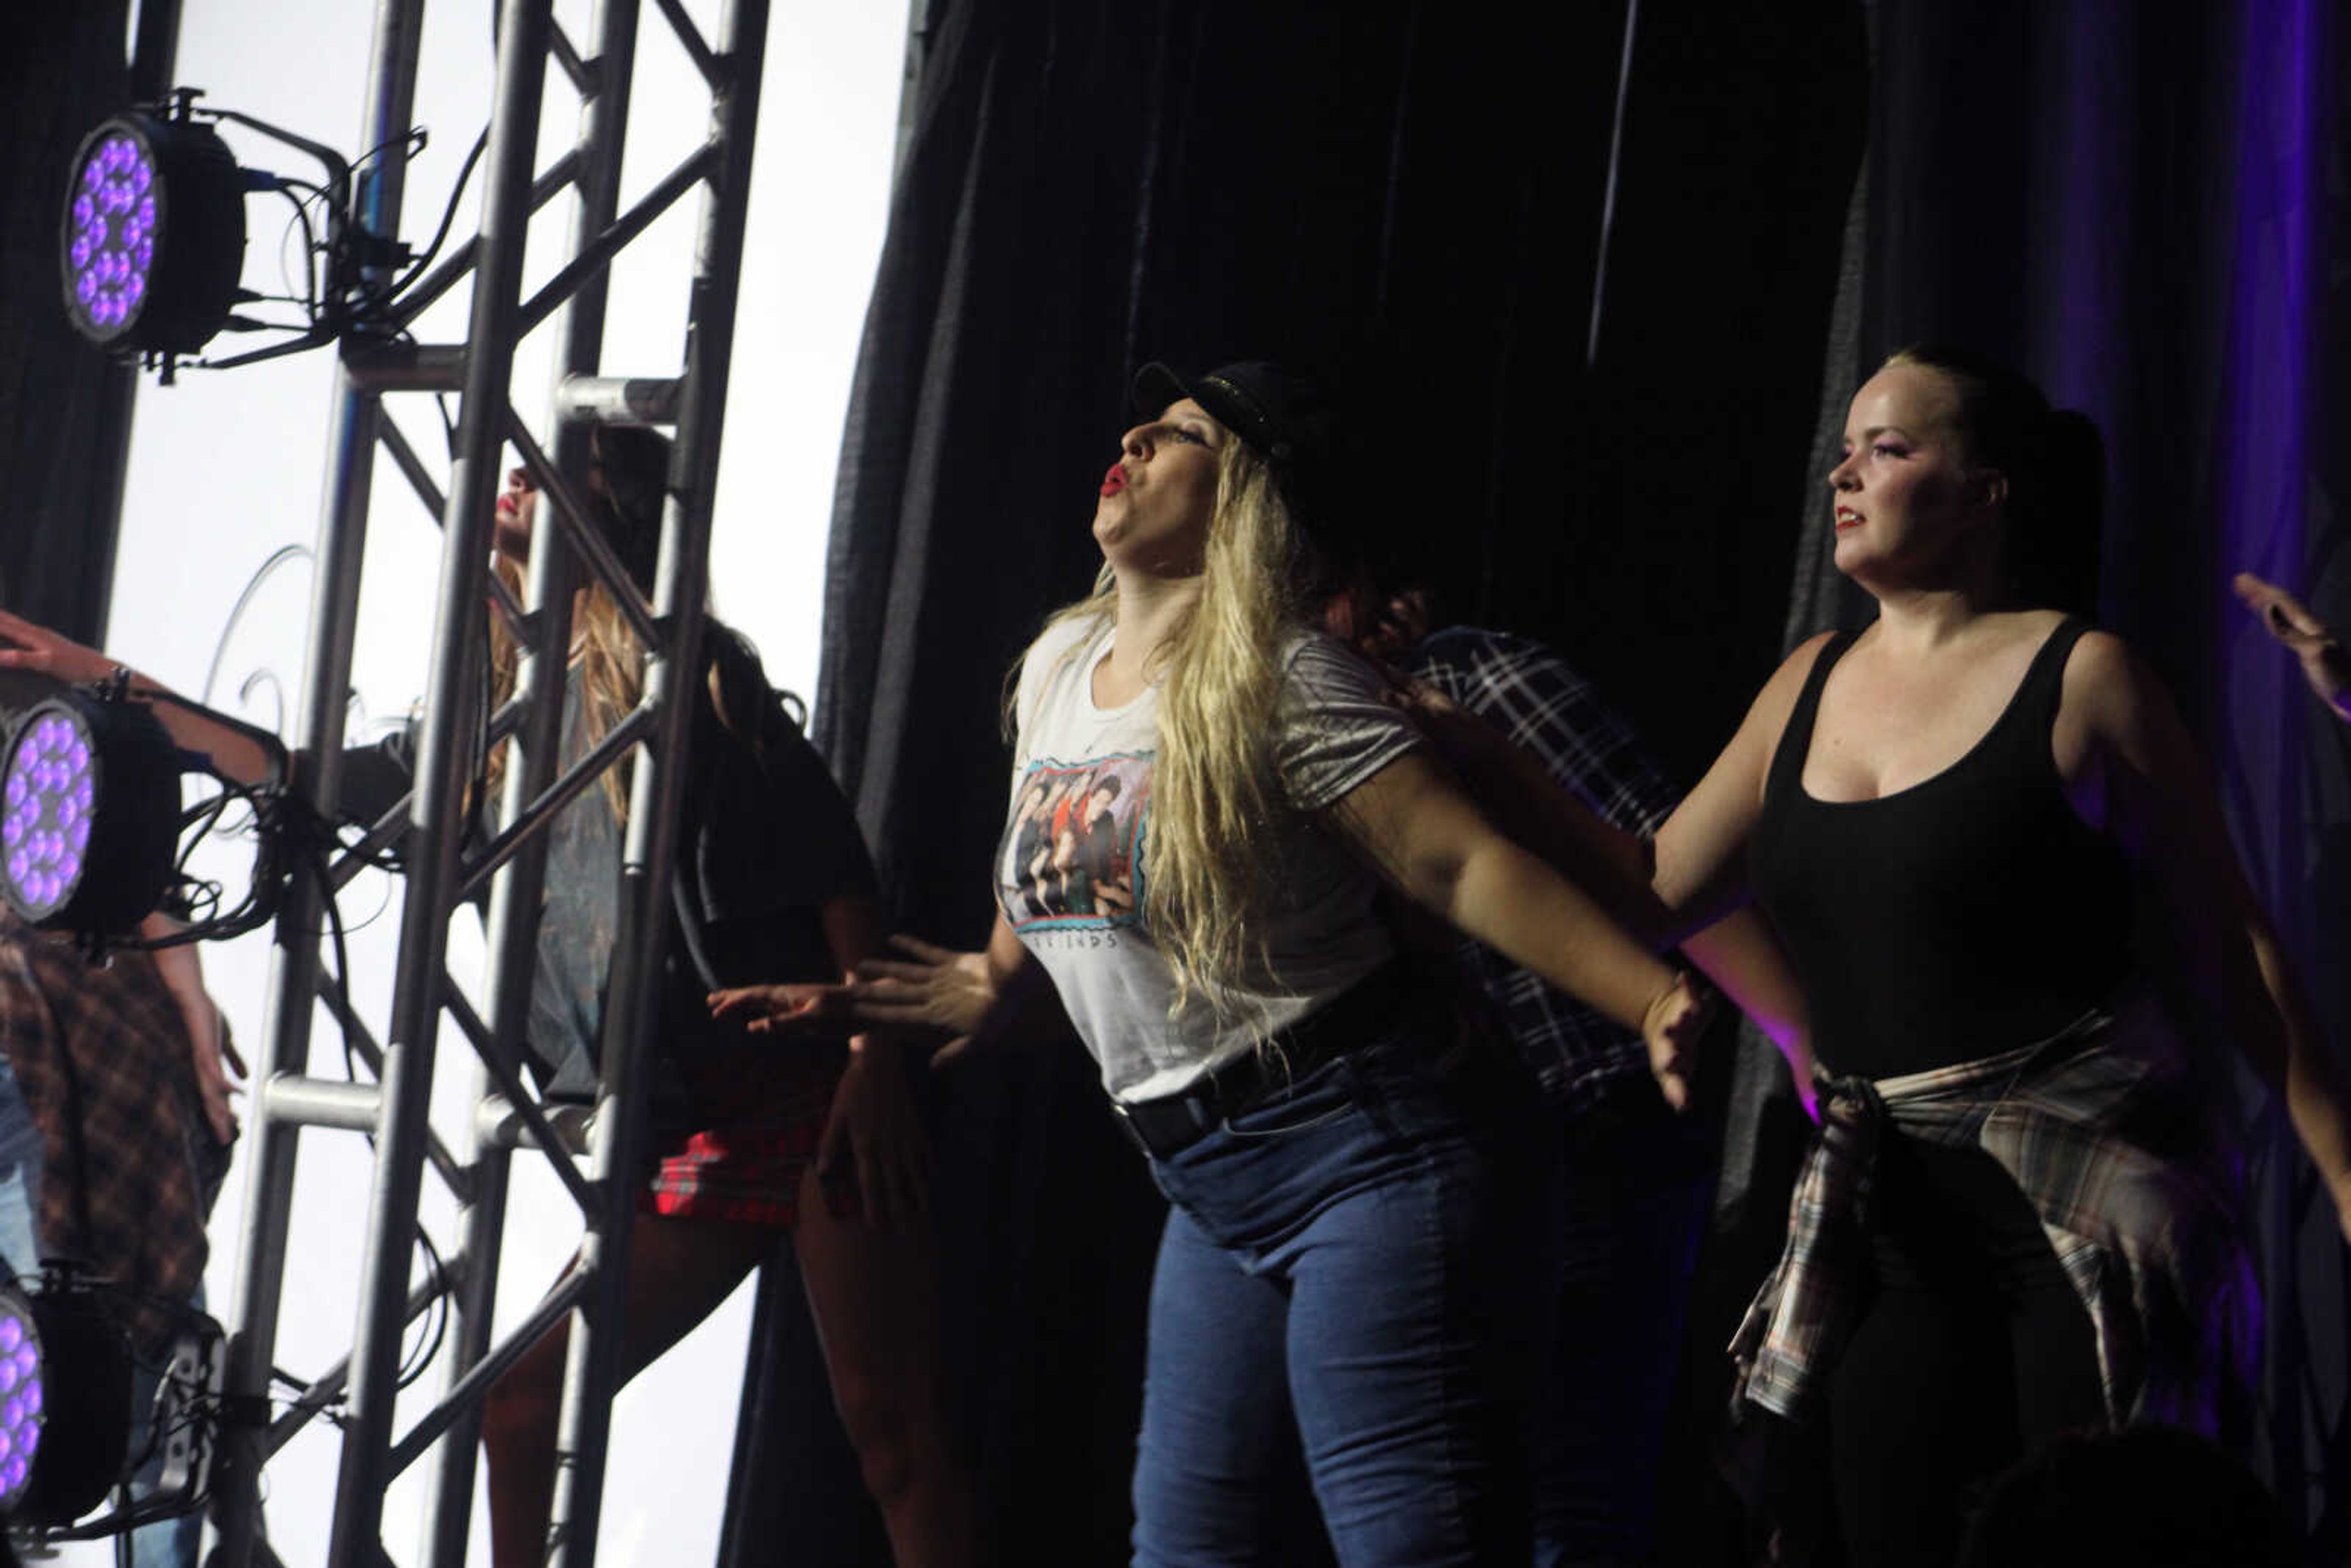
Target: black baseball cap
[(1284, 417)]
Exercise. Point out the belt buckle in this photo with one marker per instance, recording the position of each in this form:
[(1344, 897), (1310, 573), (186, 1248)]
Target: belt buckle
[(1201, 1124), (1126, 1125)]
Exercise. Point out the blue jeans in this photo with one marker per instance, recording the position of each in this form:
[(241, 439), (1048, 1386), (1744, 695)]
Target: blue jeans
[(167, 1543), (1636, 1183), (1345, 1275)]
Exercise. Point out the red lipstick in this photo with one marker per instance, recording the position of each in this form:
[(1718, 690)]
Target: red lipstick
[(1115, 481)]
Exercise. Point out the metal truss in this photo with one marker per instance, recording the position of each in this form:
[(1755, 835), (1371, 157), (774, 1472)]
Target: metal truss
[(443, 871)]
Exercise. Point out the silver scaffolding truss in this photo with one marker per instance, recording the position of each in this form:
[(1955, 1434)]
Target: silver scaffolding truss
[(441, 872)]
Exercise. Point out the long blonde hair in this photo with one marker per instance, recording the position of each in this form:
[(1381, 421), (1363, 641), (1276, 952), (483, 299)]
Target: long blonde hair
[(1218, 809), (609, 664)]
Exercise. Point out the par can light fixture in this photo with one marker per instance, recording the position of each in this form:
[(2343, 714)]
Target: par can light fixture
[(23, 1389), (89, 805), (65, 1400), (152, 236)]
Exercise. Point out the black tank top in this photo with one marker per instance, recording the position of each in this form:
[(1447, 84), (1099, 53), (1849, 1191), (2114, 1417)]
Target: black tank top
[(1967, 914)]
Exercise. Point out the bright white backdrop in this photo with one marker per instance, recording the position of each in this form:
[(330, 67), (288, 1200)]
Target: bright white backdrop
[(227, 469)]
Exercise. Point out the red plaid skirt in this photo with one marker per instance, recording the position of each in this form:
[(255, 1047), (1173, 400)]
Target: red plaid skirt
[(759, 1118)]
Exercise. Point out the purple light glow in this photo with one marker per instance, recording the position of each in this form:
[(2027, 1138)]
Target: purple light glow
[(116, 223)]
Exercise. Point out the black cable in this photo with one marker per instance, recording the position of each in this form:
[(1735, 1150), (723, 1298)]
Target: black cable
[(448, 214), (309, 251), (437, 1310)]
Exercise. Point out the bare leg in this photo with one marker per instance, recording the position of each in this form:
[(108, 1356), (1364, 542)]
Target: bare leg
[(875, 1296), (679, 1272)]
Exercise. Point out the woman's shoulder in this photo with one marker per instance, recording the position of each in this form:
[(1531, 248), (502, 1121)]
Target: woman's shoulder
[(1064, 633), (1058, 648), (2107, 684), (1310, 657), (1063, 640), (1778, 694)]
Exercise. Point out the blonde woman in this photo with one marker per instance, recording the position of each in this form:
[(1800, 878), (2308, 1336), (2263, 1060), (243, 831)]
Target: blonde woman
[(1356, 1192)]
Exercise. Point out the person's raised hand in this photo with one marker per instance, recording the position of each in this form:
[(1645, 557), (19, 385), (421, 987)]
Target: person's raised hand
[(30, 645), (2325, 665)]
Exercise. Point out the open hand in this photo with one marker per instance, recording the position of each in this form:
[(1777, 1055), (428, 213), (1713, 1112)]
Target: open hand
[(28, 645), (803, 1009), (933, 987), (2325, 665)]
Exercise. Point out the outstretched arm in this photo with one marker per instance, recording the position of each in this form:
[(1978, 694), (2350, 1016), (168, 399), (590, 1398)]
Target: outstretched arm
[(1742, 958), (27, 645), (1531, 805), (1415, 824), (997, 993), (1522, 798), (2159, 801)]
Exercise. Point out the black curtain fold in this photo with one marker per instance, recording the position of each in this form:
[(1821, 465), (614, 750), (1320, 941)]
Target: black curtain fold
[(62, 70)]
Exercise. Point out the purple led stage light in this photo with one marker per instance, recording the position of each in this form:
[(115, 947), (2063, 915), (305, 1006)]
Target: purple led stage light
[(90, 807), (114, 221), (153, 235), (22, 1416), (49, 793)]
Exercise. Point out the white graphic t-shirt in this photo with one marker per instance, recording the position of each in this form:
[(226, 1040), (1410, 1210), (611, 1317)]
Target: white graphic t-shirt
[(1069, 867)]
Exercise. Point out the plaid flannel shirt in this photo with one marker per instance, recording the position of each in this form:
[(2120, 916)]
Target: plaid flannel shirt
[(1546, 709), (101, 1053), (2102, 1130)]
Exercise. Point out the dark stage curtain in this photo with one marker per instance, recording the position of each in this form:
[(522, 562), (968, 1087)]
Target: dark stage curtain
[(1412, 193), (62, 70)]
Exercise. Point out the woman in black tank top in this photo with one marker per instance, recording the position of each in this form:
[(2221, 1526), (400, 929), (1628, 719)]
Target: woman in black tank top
[(1947, 818)]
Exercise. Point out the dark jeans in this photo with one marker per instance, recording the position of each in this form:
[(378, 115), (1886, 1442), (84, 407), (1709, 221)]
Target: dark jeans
[(1636, 1183), (1354, 1269), (1973, 1348)]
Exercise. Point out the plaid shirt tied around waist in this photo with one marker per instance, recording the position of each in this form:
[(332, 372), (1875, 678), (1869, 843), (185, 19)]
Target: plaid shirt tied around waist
[(2100, 1129)]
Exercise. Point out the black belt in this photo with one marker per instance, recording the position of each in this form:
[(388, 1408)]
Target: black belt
[(1169, 1124)]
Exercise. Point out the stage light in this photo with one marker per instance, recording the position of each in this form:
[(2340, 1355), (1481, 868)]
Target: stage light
[(153, 238), (21, 1407), (64, 1401), (90, 808)]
